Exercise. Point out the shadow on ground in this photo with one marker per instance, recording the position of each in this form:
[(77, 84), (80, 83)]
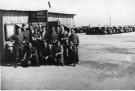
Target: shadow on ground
[(110, 70), (115, 50), (130, 41), (119, 50), (101, 66)]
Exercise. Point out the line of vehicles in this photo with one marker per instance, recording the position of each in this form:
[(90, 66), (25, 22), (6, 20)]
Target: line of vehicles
[(90, 30)]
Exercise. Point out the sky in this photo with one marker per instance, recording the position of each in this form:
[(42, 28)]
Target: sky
[(88, 12)]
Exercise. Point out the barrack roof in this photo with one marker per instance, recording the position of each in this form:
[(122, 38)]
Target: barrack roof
[(50, 10)]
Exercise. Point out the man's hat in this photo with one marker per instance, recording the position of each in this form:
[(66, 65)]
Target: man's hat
[(43, 26), (44, 41), (39, 23), (17, 27), (23, 25)]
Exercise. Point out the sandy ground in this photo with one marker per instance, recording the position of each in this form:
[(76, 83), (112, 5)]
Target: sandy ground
[(106, 62)]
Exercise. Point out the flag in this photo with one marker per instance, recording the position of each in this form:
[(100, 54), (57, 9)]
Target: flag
[(49, 4)]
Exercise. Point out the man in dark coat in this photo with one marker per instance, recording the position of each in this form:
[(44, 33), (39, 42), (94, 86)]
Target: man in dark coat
[(31, 31), (46, 53), (65, 51), (72, 53), (58, 33)]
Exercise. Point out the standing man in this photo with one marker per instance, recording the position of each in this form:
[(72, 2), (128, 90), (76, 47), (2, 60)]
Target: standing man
[(43, 34), (36, 38), (31, 31), (53, 36), (65, 51), (58, 33), (18, 39), (26, 33), (63, 36), (75, 40), (40, 28)]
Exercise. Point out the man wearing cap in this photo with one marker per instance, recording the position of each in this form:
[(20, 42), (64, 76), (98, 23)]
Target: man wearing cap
[(19, 40), (26, 33)]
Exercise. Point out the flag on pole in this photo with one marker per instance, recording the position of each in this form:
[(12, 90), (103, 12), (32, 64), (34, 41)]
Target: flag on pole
[(49, 4)]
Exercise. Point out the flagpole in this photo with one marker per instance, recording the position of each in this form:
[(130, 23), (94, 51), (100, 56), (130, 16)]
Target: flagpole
[(49, 4)]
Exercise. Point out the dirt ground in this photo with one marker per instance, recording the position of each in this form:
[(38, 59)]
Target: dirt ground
[(106, 62)]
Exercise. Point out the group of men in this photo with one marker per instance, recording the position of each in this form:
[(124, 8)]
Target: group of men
[(35, 47), (108, 29)]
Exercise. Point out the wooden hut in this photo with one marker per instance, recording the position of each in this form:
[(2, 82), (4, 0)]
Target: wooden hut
[(10, 18)]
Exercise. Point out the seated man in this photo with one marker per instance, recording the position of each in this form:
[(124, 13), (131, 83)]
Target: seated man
[(58, 53), (30, 56), (72, 53), (46, 53)]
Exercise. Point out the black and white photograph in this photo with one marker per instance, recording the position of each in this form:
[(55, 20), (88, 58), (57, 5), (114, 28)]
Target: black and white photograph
[(67, 44)]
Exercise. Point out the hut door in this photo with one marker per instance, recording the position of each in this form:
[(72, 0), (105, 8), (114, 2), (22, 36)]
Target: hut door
[(52, 24)]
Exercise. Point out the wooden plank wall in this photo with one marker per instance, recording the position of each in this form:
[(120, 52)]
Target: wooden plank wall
[(63, 18), (11, 17), (1, 51)]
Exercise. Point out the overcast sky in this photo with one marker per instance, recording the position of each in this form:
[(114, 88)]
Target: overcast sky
[(93, 12)]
